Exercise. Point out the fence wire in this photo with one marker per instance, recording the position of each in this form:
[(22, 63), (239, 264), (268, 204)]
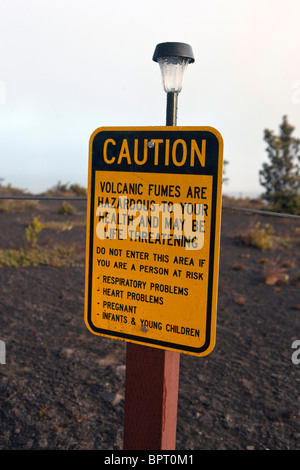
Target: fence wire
[(260, 212), (47, 198), (224, 207)]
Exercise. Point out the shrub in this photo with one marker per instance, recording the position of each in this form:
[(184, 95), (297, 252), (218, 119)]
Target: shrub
[(32, 230), (281, 176), (261, 236), (66, 209), (78, 190), (74, 189), (275, 272)]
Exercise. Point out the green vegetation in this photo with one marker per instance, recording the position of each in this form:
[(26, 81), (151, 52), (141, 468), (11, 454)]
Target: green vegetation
[(66, 209), (66, 188), (15, 205), (64, 225), (57, 256), (9, 205), (260, 236), (78, 190), (263, 237), (34, 255), (32, 230), (281, 176)]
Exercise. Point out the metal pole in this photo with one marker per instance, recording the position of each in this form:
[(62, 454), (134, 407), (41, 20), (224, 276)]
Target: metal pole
[(172, 100), (152, 380)]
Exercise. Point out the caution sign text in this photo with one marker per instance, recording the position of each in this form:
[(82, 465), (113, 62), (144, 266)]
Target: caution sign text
[(153, 234)]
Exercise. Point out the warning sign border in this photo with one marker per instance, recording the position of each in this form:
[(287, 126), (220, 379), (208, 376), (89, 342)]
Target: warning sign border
[(209, 344)]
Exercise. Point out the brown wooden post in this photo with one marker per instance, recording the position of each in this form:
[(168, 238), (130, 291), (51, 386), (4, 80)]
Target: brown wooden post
[(151, 398)]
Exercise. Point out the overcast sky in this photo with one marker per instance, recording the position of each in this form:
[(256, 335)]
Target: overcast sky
[(68, 67)]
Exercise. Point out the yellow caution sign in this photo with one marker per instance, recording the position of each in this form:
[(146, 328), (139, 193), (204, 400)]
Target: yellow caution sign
[(153, 236)]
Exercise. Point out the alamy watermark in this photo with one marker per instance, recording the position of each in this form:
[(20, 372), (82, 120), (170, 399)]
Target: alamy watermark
[(296, 93), (296, 354), (2, 353), (176, 223)]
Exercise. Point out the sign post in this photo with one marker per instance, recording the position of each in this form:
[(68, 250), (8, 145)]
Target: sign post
[(154, 207), (153, 234)]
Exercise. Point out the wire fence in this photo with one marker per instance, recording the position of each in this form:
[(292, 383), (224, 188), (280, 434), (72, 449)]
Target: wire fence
[(261, 212), (224, 207), (47, 198)]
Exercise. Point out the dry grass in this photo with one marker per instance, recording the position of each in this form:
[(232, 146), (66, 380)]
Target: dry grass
[(243, 202), (275, 272), (58, 256), (11, 205), (261, 236)]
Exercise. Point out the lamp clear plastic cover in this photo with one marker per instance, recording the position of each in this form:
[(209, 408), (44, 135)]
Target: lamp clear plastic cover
[(173, 70)]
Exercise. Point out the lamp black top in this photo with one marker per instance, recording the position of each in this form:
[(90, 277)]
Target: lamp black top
[(174, 49)]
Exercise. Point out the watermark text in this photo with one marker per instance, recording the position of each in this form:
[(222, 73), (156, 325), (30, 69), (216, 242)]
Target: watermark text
[(2, 352), (296, 354)]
